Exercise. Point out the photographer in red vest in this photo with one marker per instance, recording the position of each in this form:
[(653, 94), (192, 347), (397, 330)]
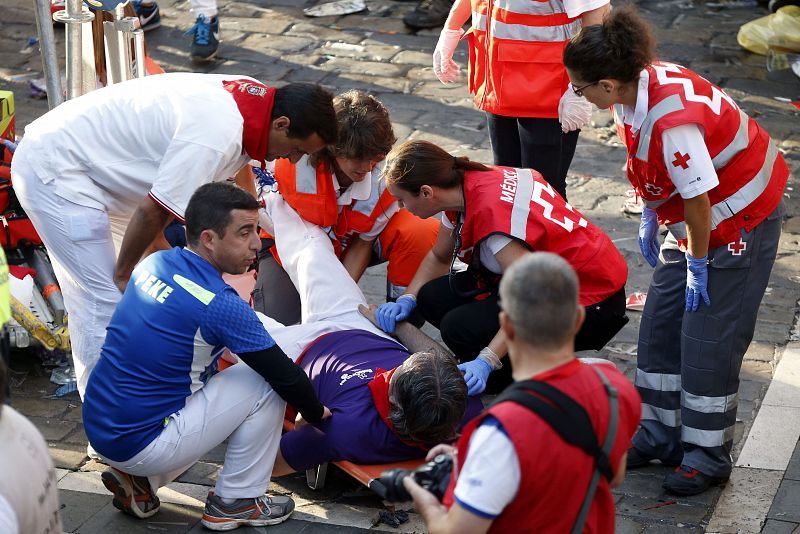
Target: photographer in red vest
[(515, 472)]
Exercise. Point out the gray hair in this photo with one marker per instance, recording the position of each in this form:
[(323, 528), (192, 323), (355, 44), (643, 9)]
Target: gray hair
[(539, 293)]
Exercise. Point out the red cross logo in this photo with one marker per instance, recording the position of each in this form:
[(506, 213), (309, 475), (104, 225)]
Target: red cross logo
[(681, 160), (737, 247)]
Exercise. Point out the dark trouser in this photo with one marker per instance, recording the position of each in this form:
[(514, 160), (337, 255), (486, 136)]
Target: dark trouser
[(688, 363), (468, 325), (274, 294), (532, 143)]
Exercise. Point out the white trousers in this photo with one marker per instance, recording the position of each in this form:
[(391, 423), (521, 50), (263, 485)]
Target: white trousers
[(329, 297), (82, 243), (236, 404), (204, 7)]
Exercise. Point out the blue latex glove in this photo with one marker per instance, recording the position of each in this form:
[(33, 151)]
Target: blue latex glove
[(476, 373), (388, 314), (696, 282), (648, 236)]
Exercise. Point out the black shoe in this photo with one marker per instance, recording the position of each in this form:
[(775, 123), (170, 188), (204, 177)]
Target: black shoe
[(687, 480), (205, 38), (637, 458), (428, 14)]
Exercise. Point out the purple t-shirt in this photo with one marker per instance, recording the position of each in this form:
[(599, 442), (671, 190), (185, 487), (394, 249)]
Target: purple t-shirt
[(341, 365)]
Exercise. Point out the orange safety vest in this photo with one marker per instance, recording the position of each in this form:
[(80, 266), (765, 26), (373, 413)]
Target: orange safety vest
[(405, 242), (516, 65)]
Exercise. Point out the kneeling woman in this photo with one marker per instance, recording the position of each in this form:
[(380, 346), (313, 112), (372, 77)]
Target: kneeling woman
[(492, 217)]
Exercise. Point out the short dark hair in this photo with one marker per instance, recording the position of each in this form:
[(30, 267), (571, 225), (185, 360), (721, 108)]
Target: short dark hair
[(309, 108), (430, 398), (210, 208)]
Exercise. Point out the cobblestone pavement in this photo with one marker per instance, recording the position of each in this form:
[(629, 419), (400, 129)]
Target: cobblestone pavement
[(271, 40)]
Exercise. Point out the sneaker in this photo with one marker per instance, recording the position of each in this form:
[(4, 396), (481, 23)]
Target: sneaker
[(205, 37), (258, 512), (149, 15), (428, 14), (689, 481), (133, 495)]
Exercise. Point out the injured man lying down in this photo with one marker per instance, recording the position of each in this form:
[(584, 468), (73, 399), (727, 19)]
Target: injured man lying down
[(390, 401)]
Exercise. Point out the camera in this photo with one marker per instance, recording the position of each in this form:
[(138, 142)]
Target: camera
[(434, 476)]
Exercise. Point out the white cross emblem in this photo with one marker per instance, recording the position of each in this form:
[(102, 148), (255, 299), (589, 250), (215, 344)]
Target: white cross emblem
[(737, 247), (653, 189)]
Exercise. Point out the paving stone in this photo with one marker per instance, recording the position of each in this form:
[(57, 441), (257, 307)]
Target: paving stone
[(171, 518), (659, 510), (773, 526), (36, 407), (273, 24), (745, 500), (793, 469), (626, 525), (342, 81), (679, 528), (368, 68), (323, 33), (412, 57), (374, 52), (68, 456), (53, 429), (78, 507), (786, 506), (201, 473), (270, 44)]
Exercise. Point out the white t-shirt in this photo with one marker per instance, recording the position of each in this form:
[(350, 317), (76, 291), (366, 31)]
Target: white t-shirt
[(576, 8), (28, 487), (489, 478), (489, 248), (684, 148), (162, 135)]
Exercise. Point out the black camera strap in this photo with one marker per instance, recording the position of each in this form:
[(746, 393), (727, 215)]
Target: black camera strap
[(570, 421)]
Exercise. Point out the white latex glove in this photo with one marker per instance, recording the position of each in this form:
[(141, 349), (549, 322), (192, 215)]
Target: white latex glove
[(443, 65), (574, 112)]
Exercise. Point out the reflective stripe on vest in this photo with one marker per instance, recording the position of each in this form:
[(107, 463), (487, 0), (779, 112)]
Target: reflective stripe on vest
[(657, 381), (671, 418), (306, 179), (669, 105), (727, 208), (706, 438), (522, 203), (367, 206), (739, 142), (746, 195), (702, 404), (521, 32), (526, 7)]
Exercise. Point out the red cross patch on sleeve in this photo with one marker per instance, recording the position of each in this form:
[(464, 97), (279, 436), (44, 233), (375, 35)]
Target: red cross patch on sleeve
[(681, 160)]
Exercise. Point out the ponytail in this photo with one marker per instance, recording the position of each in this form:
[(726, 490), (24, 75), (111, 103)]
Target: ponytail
[(416, 163), (618, 49)]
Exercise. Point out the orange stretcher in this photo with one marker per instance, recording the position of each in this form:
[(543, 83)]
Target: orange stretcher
[(366, 474)]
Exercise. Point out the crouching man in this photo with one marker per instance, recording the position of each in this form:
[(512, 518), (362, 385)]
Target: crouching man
[(154, 406), (516, 473)]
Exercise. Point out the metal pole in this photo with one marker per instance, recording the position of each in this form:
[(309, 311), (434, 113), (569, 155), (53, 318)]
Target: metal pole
[(138, 43), (73, 17), (47, 47)]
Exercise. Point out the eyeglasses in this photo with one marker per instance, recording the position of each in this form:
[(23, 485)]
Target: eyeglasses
[(579, 90)]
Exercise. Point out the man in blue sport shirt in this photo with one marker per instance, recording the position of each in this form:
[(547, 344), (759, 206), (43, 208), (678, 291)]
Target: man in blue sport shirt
[(153, 404)]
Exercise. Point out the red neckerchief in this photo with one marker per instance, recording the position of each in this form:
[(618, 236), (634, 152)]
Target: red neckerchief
[(379, 387), (254, 101)]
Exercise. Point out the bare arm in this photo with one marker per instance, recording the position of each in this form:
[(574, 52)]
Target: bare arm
[(697, 213), (436, 263), (414, 339), (145, 227), (357, 257), (246, 180), (459, 13)]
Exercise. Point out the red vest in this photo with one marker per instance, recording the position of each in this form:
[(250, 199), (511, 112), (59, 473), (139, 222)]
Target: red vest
[(554, 476), (521, 204), (752, 173), (516, 68)]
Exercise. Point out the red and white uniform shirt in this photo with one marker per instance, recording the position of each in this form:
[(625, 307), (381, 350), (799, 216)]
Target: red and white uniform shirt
[(519, 204), (687, 137)]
